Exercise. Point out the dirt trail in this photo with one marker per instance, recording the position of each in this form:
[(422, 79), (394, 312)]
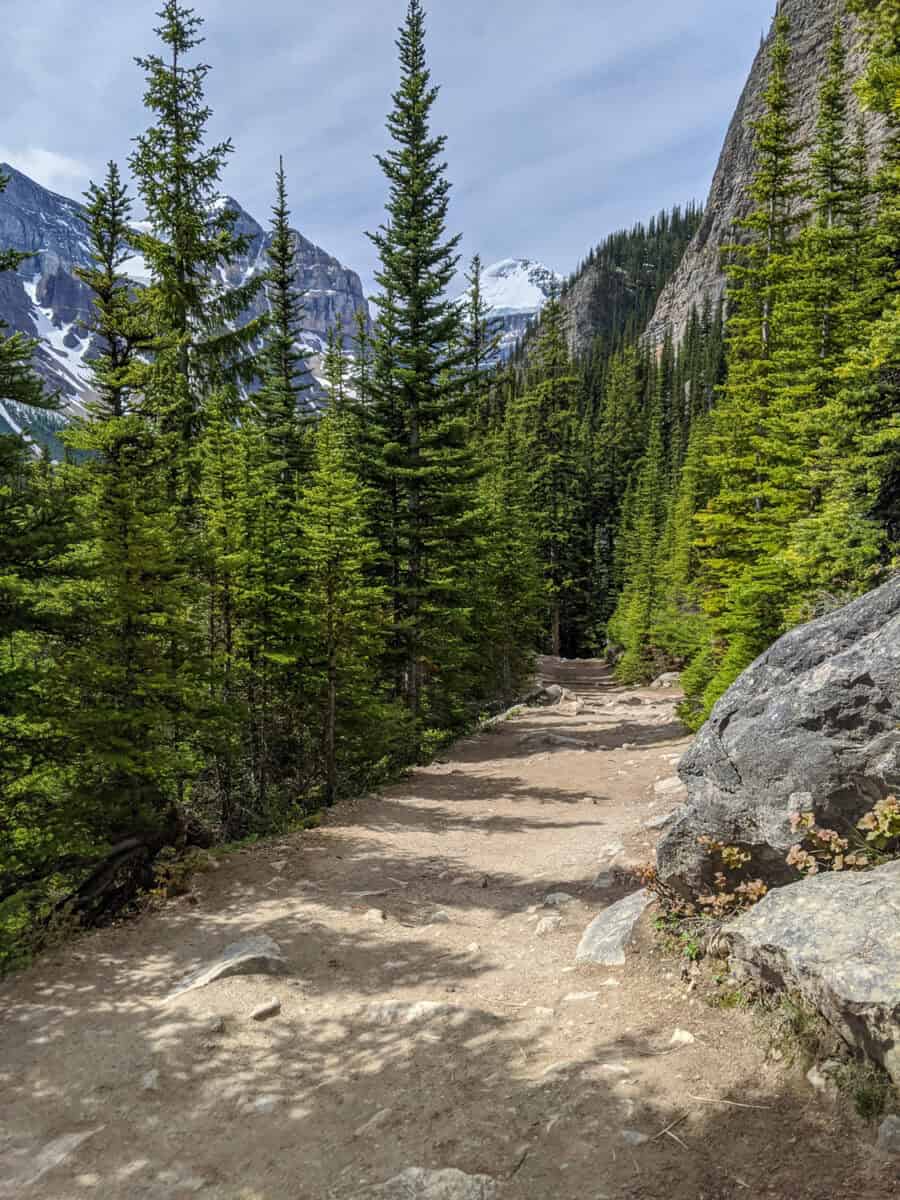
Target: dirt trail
[(431, 891)]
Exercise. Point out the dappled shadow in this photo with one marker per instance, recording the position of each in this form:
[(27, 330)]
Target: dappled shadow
[(326, 1100)]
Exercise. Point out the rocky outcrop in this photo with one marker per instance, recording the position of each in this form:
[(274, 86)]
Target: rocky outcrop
[(833, 939), (700, 278), (814, 724), (46, 299)]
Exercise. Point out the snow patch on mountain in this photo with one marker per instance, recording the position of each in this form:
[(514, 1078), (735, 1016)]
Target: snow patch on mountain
[(518, 285)]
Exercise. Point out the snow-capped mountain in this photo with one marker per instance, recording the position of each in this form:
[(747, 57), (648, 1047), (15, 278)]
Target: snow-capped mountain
[(47, 300), (515, 290)]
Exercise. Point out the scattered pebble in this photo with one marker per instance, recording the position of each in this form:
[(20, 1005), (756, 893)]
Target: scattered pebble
[(889, 1135), (578, 997), (557, 899), (150, 1081), (270, 1009), (634, 1138), (681, 1037), (548, 925)]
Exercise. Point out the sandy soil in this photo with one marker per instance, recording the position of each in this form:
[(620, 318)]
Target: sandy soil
[(431, 891)]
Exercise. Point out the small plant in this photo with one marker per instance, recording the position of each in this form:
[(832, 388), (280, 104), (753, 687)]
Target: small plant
[(822, 849), (796, 1030), (727, 898), (867, 1085)]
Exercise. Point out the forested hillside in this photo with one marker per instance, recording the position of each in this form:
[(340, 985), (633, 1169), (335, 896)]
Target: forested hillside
[(220, 611), (729, 487)]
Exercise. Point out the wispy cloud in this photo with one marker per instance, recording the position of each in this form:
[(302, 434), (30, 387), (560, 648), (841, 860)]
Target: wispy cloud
[(563, 119), (56, 171)]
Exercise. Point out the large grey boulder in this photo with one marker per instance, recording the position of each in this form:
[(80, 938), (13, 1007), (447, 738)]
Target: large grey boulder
[(608, 936), (812, 724), (834, 939)]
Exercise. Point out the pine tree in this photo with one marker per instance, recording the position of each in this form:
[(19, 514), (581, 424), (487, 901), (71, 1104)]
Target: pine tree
[(200, 340), (743, 588), (336, 367), (344, 613), (549, 443), (418, 408), (279, 401), (825, 302), (632, 624), (124, 688)]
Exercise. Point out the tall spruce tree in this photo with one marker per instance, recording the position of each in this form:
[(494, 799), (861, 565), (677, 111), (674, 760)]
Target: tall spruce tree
[(419, 404), (743, 587), (344, 612), (549, 440), (200, 339)]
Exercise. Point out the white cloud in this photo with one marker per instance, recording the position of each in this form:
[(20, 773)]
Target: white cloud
[(55, 171)]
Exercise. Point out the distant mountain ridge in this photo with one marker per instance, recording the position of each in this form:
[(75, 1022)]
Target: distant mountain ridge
[(47, 300)]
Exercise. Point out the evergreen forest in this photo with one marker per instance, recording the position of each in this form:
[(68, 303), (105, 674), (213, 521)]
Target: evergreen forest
[(224, 606)]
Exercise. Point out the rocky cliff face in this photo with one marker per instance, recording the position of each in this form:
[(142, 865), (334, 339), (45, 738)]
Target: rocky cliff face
[(700, 277), (45, 298)]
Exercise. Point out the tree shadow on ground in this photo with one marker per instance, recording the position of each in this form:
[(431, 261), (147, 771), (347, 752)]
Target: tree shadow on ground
[(326, 1101)]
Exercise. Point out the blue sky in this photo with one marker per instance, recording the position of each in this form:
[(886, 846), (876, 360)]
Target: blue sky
[(565, 119)]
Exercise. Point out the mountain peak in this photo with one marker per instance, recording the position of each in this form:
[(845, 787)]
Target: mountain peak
[(518, 286)]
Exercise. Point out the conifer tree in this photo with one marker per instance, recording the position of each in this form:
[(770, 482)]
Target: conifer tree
[(420, 398), (343, 611), (548, 436), (200, 342), (743, 588), (126, 692), (279, 401)]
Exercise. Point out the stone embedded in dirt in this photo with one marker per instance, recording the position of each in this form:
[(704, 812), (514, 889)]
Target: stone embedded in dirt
[(812, 723), (889, 1135), (150, 1081), (257, 955), (607, 937), (548, 925), (374, 914), (834, 939), (263, 1105), (24, 1163), (681, 1037), (817, 1080), (580, 997), (440, 918), (415, 1183), (402, 1012), (634, 1138), (632, 701), (279, 865), (557, 900), (606, 879), (270, 1009), (612, 850), (213, 1024), (373, 1123), (669, 679)]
